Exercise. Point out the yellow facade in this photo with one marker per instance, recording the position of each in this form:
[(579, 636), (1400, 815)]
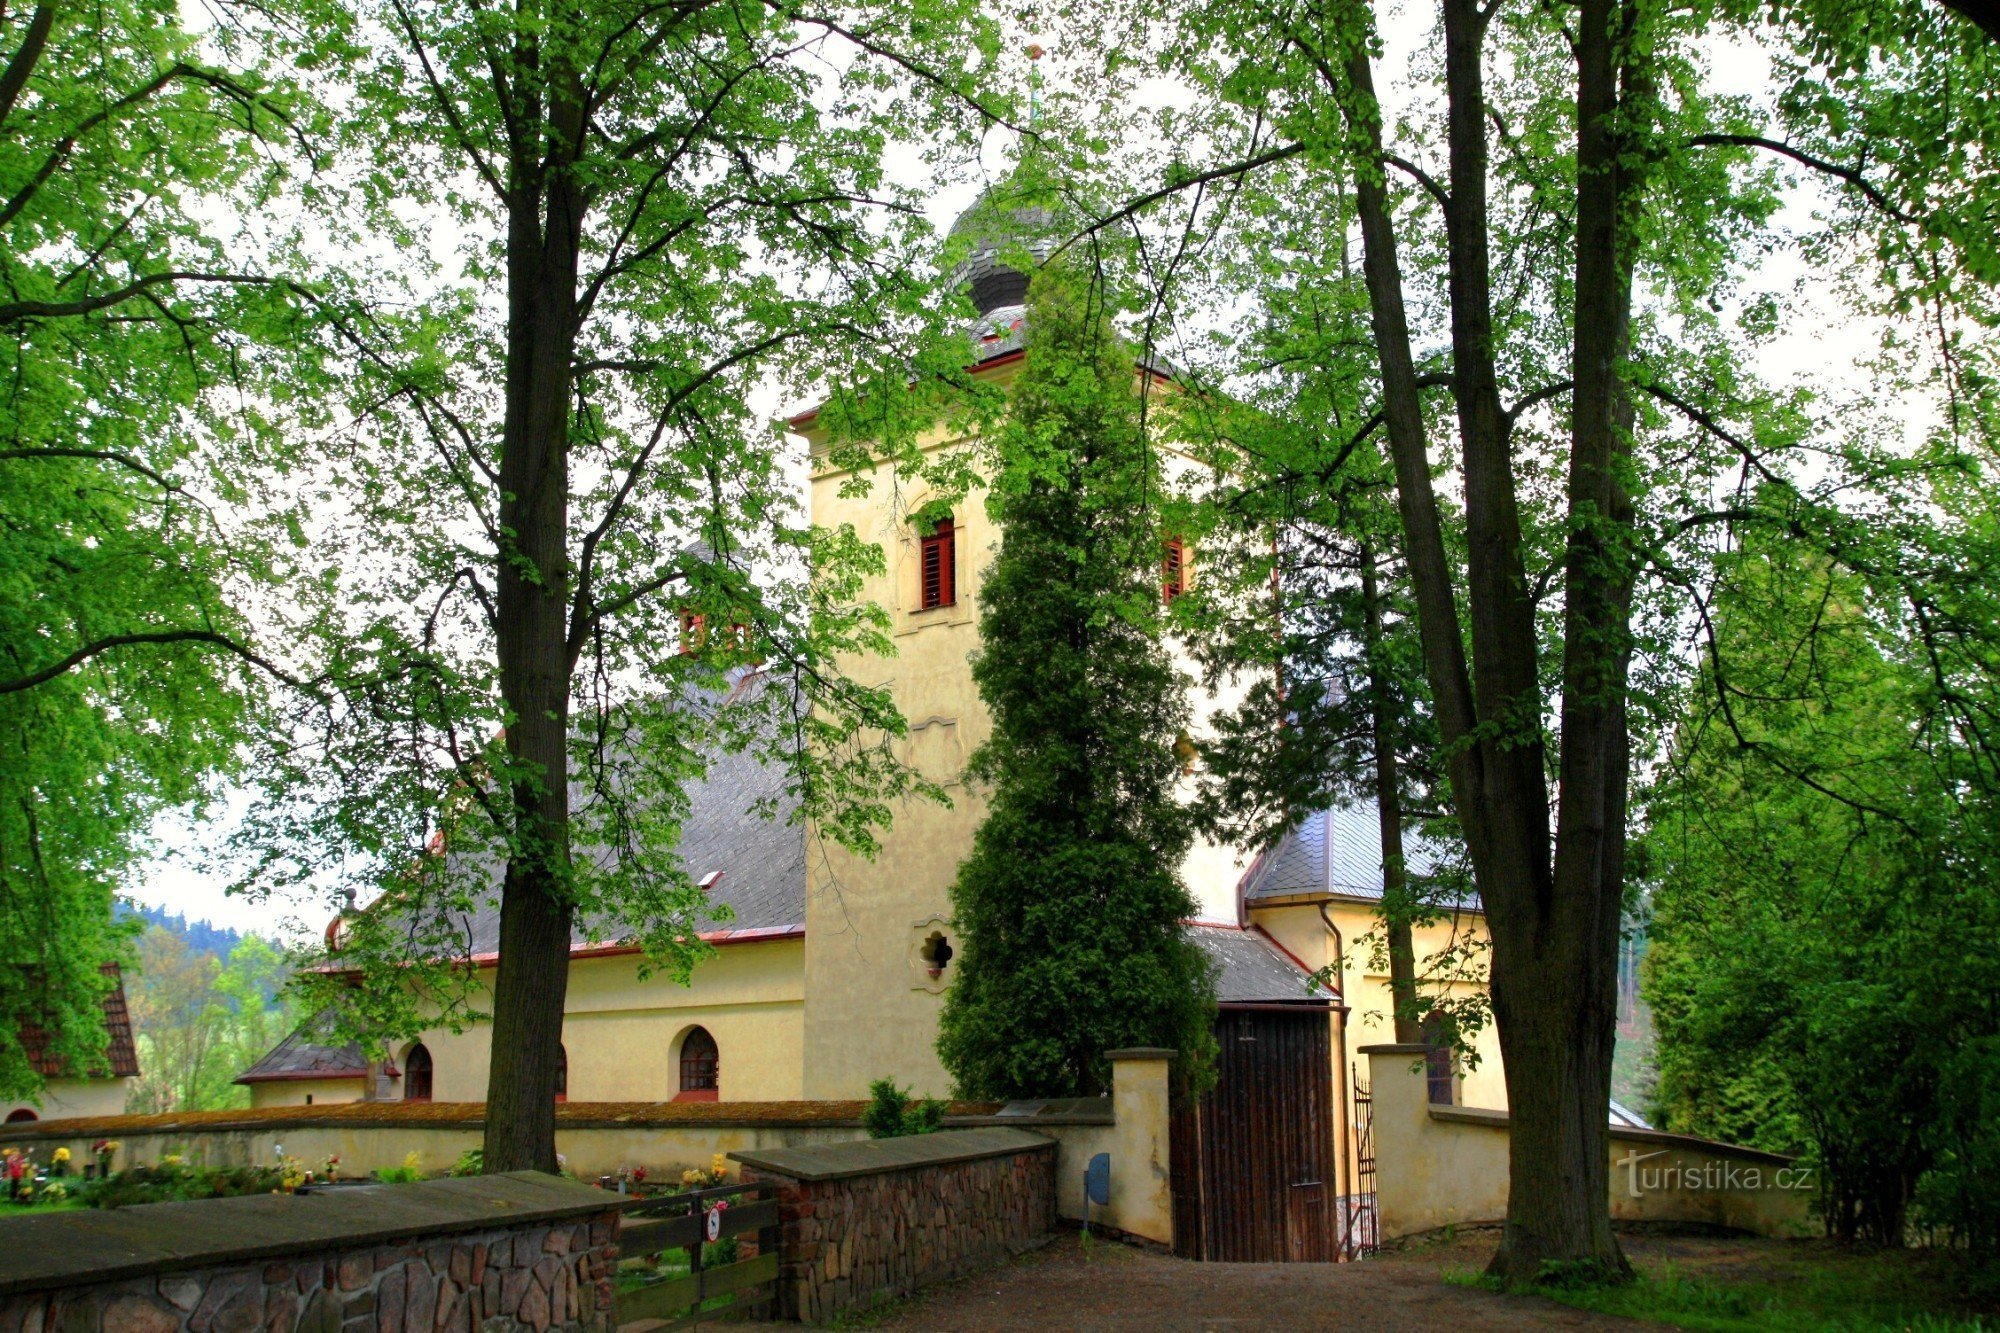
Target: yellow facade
[(307, 1091), (622, 1034), (69, 1098)]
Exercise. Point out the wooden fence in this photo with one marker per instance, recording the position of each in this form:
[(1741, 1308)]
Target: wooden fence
[(697, 1223)]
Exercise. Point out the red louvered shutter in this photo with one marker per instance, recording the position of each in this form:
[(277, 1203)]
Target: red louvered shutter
[(938, 558)]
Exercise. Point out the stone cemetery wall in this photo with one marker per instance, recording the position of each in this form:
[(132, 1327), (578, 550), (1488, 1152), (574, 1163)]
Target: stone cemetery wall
[(520, 1251), (864, 1223)]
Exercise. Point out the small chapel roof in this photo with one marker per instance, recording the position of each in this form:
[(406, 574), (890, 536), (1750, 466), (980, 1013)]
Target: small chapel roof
[(121, 1056), (309, 1053), (1252, 969), (1337, 852)]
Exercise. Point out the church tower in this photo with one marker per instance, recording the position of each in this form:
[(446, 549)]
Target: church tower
[(879, 938)]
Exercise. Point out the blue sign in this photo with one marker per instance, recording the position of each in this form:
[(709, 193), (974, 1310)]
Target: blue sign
[(1097, 1179)]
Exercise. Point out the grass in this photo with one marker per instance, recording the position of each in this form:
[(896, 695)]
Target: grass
[(1802, 1288)]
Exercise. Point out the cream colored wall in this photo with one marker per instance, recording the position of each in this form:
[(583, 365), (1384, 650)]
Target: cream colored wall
[(363, 1149), (1142, 1197), (67, 1098), (1443, 1166), (874, 1008), (306, 1092), (622, 1034), (1365, 986)]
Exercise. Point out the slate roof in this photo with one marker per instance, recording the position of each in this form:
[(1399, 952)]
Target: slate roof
[(307, 1054), (1251, 969), (1339, 852), (741, 824), (120, 1054)]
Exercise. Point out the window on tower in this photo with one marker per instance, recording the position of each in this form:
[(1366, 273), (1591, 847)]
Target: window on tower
[(939, 562), (1173, 569)]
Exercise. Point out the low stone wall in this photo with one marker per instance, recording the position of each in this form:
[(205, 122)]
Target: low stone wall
[(519, 1251), (864, 1223), (1440, 1166)]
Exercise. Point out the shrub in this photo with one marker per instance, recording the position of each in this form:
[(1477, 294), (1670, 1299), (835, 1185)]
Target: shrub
[(893, 1113), (471, 1162), (171, 1181)]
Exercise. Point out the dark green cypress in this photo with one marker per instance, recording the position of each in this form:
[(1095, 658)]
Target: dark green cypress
[(1070, 907)]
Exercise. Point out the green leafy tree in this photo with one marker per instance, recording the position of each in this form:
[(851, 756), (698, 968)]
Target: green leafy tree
[(132, 333), (1071, 904), (1305, 602), (201, 1020), (1823, 933), (1552, 235), (553, 474)]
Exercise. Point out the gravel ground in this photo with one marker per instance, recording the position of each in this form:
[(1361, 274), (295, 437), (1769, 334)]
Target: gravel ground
[(1110, 1286)]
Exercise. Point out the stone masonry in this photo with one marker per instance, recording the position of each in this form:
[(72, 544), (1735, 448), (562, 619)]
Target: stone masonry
[(865, 1223), (544, 1275)]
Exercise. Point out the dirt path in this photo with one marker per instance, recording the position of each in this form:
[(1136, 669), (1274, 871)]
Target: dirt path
[(1109, 1286)]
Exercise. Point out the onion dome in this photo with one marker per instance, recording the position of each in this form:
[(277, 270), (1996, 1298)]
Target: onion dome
[(988, 235)]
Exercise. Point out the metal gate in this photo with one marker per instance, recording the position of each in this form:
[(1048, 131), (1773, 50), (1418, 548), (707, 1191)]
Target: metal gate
[(1358, 1234), (1253, 1156)]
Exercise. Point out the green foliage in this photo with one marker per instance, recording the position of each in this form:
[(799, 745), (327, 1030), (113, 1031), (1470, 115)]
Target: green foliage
[(1070, 905), (893, 1113), (1824, 941), (171, 1181), (471, 1162), (131, 338), (712, 217), (200, 1021)]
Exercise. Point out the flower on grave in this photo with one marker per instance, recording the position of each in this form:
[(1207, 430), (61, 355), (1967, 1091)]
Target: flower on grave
[(62, 1155), (638, 1175)]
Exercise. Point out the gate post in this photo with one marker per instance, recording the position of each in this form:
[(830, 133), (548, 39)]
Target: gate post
[(1142, 1195), (1399, 1086)]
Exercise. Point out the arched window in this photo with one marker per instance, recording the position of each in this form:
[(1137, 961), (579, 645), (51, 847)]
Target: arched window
[(417, 1074), (20, 1116), (940, 550), (701, 1063), (562, 1074)]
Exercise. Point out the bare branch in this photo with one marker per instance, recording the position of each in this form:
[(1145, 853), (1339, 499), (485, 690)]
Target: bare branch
[(115, 641), (1852, 175), (15, 312), (102, 455)]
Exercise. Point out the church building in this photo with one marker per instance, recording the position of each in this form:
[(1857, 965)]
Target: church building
[(832, 970)]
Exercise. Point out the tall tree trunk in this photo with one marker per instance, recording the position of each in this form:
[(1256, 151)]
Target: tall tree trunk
[(1558, 1033), (1557, 1025), (545, 222), (1388, 814)]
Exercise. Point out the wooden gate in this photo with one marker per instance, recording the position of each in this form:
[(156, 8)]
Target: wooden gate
[(678, 1256), (1253, 1157)]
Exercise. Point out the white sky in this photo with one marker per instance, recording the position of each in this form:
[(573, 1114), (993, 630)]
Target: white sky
[(1822, 346)]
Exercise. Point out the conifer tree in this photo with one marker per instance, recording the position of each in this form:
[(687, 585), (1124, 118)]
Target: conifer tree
[(1071, 905)]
